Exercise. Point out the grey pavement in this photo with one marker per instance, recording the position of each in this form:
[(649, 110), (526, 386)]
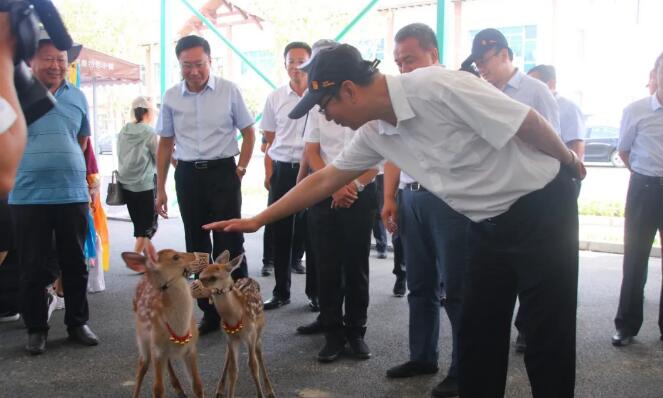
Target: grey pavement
[(68, 370)]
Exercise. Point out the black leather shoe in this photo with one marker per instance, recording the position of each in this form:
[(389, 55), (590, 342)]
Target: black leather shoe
[(83, 334), (382, 255), (621, 339), (206, 326), (332, 350), (399, 287), (298, 267), (314, 327), (412, 368), (359, 349), (521, 344), (275, 302), (313, 304), (267, 269), (36, 343), (447, 388)]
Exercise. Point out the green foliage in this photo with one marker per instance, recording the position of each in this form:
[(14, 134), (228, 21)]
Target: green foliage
[(601, 208), (117, 27)]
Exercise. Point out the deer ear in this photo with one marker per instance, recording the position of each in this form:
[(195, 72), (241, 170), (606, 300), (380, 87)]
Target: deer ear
[(234, 263), (223, 257), (135, 261)]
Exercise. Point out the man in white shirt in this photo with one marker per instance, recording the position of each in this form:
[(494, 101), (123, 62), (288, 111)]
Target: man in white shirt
[(284, 149), (641, 148), (488, 157), (571, 121)]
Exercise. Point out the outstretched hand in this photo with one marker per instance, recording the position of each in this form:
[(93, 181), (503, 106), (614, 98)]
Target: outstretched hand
[(234, 225)]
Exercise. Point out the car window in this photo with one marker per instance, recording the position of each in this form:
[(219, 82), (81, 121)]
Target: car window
[(603, 132)]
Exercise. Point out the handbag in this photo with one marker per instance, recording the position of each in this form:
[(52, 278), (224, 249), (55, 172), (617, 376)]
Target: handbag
[(114, 195)]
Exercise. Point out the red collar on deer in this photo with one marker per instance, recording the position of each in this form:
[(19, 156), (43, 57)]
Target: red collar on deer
[(220, 292), (178, 339), (233, 329)]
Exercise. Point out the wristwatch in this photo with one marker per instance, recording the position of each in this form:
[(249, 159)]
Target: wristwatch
[(241, 169), (359, 185)]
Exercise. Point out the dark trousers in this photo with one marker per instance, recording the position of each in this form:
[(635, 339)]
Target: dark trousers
[(643, 217), (341, 241), (35, 227), (142, 212), (379, 232), (531, 251), (284, 177), (9, 275), (206, 195), (434, 237), (311, 288), (399, 254), (299, 241)]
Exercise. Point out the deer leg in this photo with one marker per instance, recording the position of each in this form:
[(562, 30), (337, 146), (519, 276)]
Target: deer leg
[(192, 362), (221, 388), (157, 388), (174, 381), (253, 363), (143, 365), (232, 368), (265, 377)]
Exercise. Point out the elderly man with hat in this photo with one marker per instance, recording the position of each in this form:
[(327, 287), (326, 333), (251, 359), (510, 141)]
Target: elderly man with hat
[(50, 199)]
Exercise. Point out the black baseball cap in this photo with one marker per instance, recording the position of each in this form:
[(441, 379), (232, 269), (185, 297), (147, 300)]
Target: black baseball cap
[(485, 40), (327, 70)]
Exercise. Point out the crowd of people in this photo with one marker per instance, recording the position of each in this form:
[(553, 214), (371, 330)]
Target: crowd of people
[(456, 165)]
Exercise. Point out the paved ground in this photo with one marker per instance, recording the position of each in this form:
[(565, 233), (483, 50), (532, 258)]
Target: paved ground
[(107, 370)]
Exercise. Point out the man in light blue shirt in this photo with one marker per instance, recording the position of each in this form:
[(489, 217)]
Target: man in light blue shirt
[(494, 60), (641, 148), (200, 117), (571, 120), (50, 200)]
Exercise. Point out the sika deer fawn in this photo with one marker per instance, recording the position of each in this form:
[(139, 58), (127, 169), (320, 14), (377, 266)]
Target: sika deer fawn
[(240, 306), (165, 328)]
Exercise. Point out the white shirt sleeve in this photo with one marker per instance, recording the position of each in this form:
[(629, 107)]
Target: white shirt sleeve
[(359, 155), (627, 131), (268, 122), (7, 115), (489, 112)]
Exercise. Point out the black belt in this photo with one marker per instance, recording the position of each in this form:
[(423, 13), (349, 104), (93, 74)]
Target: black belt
[(286, 164), (207, 164), (415, 186)]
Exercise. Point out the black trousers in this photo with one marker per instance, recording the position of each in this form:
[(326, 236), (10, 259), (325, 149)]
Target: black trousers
[(341, 241), (284, 177), (208, 192), (142, 212), (35, 227), (9, 275), (311, 287), (531, 251), (643, 217)]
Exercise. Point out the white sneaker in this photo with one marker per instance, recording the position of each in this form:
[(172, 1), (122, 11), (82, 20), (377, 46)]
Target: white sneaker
[(52, 301), (60, 303), (9, 317)]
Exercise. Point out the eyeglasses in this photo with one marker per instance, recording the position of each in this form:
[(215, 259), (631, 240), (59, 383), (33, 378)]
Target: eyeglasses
[(484, 60), (324, 103)]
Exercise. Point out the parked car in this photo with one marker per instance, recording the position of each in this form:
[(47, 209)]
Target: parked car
[(601, 145), (105, 144)]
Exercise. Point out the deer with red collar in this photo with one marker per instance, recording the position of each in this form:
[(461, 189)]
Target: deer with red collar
[(165, 327), (239, 303)]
